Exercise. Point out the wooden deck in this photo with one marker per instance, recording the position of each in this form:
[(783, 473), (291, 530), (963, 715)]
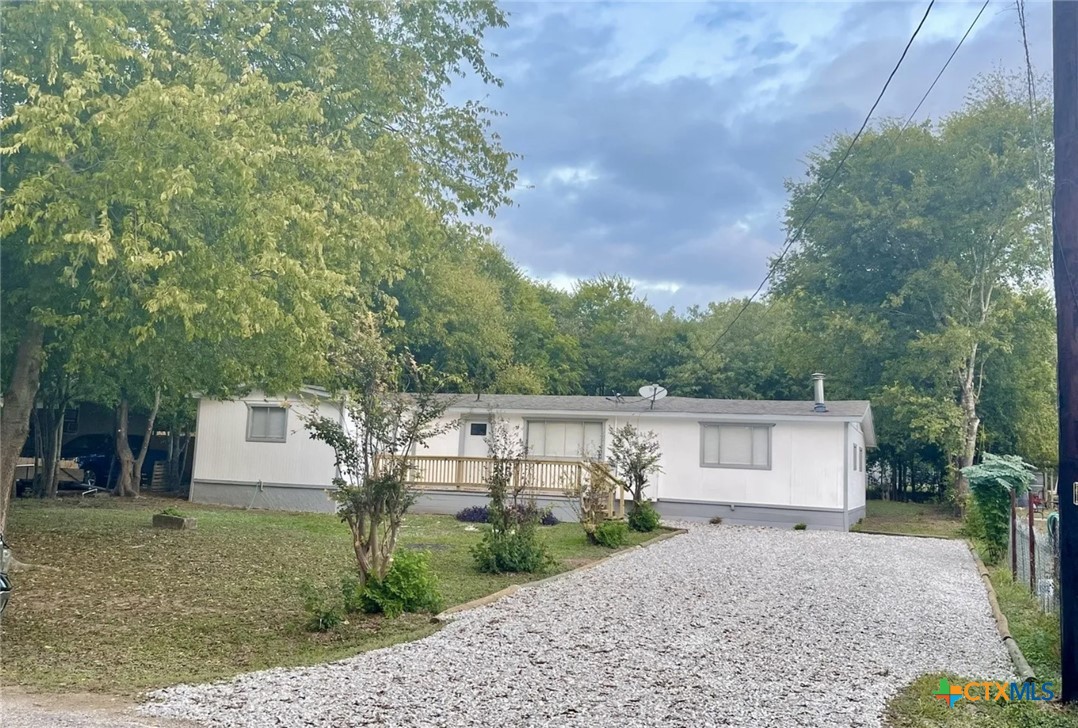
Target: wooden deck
[(546, 477)]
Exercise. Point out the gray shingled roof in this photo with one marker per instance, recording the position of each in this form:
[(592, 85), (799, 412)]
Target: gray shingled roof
[(679, 405)]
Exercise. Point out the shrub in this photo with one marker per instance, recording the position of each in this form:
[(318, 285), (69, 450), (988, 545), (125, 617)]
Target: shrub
[(526, 512), (474, 514), (611, 534), (800, 526), (643, 517), (408, 586), (515, 550), (512, 542), (515, 513), (173, 511), (715, 520), (352, 594), (322, 614)]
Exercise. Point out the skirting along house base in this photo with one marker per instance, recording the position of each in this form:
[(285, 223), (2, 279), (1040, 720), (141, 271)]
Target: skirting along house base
[(751, 462)]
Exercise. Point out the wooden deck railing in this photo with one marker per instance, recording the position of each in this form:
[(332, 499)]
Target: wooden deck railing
[(537, 476)]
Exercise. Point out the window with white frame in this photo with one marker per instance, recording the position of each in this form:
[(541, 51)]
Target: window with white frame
[(735, 446), (564, 438), (266, 423)]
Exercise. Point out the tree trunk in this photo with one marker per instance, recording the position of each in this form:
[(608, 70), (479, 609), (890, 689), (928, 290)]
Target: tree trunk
[(971, 423), (124, 484), (55, 420), (130, 464), (147, 436), (15, 413)]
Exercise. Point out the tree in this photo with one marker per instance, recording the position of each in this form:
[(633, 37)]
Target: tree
[(608, 321), (453, 318), (374, 445), (232, 178), (900, 274), (1019, 401), (635, 456), (747, 359)]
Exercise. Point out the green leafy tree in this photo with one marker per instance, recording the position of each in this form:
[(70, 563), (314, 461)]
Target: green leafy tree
[(1019, 404), (609, 322), (750, 358), (374, 443), (635, 455), (453, 318), (900, 274), (230, 178)]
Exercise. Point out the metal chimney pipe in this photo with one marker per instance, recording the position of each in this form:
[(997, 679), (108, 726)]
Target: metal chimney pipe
[(817, 385)]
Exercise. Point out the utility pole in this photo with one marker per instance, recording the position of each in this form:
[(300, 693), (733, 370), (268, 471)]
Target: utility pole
[(1065, 270)]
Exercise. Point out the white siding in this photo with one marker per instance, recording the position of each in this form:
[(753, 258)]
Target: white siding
[(806, 462), (858, 478), (806, 467), (809, 459), (223, 453)]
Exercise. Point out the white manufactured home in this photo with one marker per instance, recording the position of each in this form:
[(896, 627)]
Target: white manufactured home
[(757, 462)]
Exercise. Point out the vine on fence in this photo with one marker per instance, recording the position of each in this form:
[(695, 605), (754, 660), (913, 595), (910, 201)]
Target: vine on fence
[(991, 483)]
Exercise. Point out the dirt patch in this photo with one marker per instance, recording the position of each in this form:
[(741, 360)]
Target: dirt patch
[(75, 710)]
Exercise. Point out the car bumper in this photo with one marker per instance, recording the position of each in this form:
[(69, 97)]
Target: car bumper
[(5, 591)]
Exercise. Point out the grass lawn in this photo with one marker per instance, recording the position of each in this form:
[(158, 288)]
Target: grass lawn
[(126, 607), (913, 519)]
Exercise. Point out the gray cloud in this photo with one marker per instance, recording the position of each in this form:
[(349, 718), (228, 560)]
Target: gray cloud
[(676, 177)]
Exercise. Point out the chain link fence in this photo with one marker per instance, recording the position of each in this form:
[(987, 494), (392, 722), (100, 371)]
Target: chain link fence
[(1033, 556)]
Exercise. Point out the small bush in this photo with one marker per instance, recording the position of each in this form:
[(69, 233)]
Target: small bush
[(644, 518), (352, 595), (322, 615), (611, 534), (517, 550), (800, 526), (715, 520), (409, 586), (474, 514), (517, 514), (173, 511), (531, 513)]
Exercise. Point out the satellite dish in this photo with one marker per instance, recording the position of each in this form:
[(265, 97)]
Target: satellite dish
[(653, 392)]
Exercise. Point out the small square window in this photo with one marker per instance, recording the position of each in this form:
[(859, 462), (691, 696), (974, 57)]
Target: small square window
[(479, 429), (267, 423), (735, 446)]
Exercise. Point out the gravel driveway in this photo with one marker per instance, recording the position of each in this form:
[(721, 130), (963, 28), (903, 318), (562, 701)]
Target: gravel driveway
[(721, 626)]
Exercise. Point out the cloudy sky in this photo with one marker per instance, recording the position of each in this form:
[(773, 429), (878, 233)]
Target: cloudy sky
[(656, 136)]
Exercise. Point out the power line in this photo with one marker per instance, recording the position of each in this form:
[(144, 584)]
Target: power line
[(949, 59), (1031, 88), (792, 237)]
